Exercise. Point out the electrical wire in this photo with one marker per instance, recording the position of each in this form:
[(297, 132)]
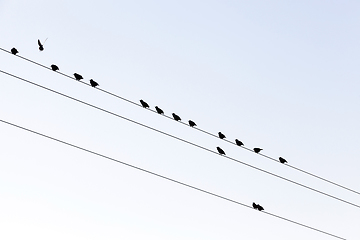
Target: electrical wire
[(167, 178), (199, 129), (180, 139)]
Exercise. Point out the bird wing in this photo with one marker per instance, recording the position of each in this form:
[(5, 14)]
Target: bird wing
[(39, 43)]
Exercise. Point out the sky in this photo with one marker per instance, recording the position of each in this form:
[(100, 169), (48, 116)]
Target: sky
[(279, 75)]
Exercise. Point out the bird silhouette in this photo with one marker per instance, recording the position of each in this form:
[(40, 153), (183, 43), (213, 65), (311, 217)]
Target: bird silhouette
[(255, 206), (260, 208), (54, 67), (14, 51), (176, 117), (222, 136), (238, 142), (41, 46), (78, 76), (192, 123), (144, 104), (159, 110), (257, 150), (282, 160), (220, 151), (93, 83)]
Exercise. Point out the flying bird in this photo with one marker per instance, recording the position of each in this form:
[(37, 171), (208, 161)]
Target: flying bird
[(144, 104), (220, 151), (257, 150), (238, 142), (54, 67), (41, 46), (176, 117), (159, 110), (222, 136), (93, 83), (282, 160), (14, 51), (192, 123), (78, 76)]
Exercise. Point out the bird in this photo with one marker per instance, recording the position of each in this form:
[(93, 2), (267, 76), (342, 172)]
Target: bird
[(260, 208), (282, 160), (238, 142), (255, 206), (14, 51), (144, 104), (257, 150), (176, 117), (41, 46), (159, 110), (78, 76), (93, 83), (54, 67), (192, 123), (220, 151), (222, 136)]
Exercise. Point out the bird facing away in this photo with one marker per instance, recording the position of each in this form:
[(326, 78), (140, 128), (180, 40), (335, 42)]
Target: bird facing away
[(78, 76), (14, 51), (54, 67), (220, 151), (159, 111), (41, 47), (192, 123), (144, 104), (176, 117), (238, 142), (282, 160), (222, 136), (257, 150), (93, 83)]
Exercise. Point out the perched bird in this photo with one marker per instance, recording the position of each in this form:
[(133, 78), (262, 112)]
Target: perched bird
[(54, 67), (144, 104), (78, 76), (93, 83), (282, 160), (176, 117), (222, 136), (192, 123), (257, 150), (255, 206), (238, 142), (159, 111), (220, 151), (14, 51), (41, 47), (260, 208)]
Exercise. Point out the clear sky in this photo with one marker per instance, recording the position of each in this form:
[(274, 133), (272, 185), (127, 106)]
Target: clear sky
[(279, 75)]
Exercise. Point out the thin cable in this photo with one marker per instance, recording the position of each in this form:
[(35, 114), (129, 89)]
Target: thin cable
[(203, 131), (167, 178), (180, 139)]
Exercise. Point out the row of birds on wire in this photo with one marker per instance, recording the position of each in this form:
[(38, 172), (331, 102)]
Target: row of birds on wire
[(160, 111), (193, 124), (145, 105)]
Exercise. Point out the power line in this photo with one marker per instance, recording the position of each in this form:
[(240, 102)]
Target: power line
[(180, 139), (167, 178), (199, 129)]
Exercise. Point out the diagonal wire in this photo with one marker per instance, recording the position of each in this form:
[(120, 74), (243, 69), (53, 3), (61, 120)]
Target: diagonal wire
[(182, 140), (199, 129), (167, 178)]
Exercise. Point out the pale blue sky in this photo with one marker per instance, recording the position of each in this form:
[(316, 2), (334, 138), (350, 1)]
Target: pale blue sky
[(280, 75)]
